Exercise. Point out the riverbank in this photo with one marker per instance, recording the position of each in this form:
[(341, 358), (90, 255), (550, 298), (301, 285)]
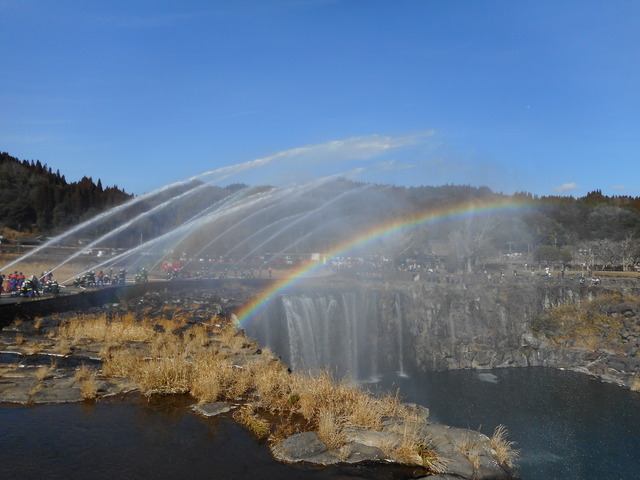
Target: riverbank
[(180, 344)]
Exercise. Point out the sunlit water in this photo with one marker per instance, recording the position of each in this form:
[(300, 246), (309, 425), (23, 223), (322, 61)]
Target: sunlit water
[(568, 426)]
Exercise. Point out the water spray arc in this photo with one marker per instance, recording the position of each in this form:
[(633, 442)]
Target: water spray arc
[(187, 227), (133, 221), (280, 198), (305, 217)]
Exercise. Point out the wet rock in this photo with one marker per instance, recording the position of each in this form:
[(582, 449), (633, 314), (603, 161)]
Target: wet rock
[(299, 448), (419, 411), (57, 392), (354, 452), (25, 328), (212, 409), (17, 390), (489, 469), (49, 324), (459, 465), (372, 438)]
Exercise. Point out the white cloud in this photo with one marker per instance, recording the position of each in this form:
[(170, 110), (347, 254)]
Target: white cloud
[(619, 187), (566, 187), (393, 166)]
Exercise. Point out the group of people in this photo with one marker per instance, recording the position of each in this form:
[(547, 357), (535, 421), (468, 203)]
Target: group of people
[(19, 285), (100, 279), (14, 282)]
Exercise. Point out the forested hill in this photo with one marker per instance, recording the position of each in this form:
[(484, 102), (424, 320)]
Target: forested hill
[(37, 201), (34, 199)]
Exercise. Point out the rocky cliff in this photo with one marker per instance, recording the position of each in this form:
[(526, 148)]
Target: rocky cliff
[(370, 328)]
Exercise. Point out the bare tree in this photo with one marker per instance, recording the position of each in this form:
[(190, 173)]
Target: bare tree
[(629, 251), (472, 239)]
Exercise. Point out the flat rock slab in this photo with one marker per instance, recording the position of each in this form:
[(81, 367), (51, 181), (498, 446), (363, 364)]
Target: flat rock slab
[(355, 452), (212, 409), (57, 394), (18, 390), (300, 447)]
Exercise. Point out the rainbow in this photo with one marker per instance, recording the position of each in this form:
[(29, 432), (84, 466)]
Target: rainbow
[(432, 217)]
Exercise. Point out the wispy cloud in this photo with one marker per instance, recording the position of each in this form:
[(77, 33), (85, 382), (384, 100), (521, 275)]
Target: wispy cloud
[(393, 166), (619, 187), (566, 187)]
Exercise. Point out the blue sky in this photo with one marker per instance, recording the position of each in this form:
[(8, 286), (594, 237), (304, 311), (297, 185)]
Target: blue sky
[(538, 96)]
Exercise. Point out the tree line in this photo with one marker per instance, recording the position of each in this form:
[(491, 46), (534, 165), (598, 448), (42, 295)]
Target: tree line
[(36, 200), (593, 229)]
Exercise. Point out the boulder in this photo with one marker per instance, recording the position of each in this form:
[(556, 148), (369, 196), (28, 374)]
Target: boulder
[(300, 447)]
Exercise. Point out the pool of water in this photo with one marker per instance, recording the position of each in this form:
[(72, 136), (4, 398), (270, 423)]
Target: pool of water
[(567, 425), (139, 439)]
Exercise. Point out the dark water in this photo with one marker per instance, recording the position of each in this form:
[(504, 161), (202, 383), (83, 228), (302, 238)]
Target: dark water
[(568, 426), (137, 439)]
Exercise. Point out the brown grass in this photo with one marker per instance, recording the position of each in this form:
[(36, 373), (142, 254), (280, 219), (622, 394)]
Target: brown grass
[(212, 378), (100, 328), (87, 377), (43, 372), (63, 347), (413, 450), (505, 452), (248, 417), (584, 324), (331, 428)]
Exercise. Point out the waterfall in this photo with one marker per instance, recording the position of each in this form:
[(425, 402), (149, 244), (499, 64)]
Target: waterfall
[(338, 330), (398, 311)]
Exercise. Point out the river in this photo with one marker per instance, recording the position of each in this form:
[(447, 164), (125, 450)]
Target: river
[(567, 426)]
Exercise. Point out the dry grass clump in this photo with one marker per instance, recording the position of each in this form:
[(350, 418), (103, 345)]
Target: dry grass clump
[(230, 337), (166, 371), (87, 377), (321, 392), (331, 428), (43, 372), (248, 417), (274, 385), (118, 362), (213, 378), (63, 347), (413, 450), (101, 328), (505, 453), (635, 386)]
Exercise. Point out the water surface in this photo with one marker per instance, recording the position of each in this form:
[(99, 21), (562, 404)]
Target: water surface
[(139, 439), (568, 426)]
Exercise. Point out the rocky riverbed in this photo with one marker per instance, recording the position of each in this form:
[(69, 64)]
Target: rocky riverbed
[(38, 366)]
